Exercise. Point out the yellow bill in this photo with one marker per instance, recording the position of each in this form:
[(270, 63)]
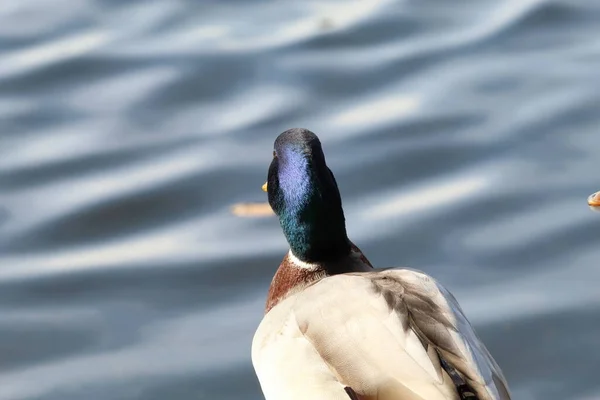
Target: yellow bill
[(264, 187)]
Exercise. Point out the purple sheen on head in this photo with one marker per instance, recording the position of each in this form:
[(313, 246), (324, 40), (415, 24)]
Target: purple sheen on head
[(294, 177)]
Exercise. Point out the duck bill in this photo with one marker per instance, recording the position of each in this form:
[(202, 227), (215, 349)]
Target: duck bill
[(264, 187)]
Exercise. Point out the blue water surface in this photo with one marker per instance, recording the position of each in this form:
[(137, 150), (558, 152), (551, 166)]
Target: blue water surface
[(464, 135)]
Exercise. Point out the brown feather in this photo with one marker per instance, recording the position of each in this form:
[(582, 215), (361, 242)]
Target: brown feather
[(291, 278)]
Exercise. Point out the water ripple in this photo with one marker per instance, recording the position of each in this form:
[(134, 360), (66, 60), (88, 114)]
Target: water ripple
[(463, 137)]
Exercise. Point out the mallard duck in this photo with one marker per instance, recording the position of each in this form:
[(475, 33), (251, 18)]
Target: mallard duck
[(594, 199), (334, 327)]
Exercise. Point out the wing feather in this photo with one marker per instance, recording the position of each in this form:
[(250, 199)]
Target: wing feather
[(438, 318)]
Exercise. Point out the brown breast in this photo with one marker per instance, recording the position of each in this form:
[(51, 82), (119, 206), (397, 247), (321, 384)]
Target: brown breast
[(291, 278)]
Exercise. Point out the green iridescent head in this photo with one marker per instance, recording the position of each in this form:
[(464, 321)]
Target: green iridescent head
[(304, 195)]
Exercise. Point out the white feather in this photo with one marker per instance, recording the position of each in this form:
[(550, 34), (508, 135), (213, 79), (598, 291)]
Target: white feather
[(301, 264)]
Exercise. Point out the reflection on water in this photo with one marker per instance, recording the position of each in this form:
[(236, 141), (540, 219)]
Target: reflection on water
[(463, 137)]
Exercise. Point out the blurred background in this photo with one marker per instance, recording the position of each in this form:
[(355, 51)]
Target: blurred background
[(464, 136)]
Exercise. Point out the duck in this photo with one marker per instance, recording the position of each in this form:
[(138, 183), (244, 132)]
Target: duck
[(336, 328), (594, 199)]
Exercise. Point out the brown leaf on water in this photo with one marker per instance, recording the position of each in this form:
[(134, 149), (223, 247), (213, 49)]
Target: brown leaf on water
[(252, 210)]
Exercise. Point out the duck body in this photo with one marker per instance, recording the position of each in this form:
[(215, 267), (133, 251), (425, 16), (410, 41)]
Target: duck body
[(337, 329)]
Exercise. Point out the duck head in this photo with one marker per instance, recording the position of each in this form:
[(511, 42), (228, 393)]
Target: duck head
[(304, 195)]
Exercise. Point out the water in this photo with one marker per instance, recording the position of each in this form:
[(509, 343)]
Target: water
[(464, 137)]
